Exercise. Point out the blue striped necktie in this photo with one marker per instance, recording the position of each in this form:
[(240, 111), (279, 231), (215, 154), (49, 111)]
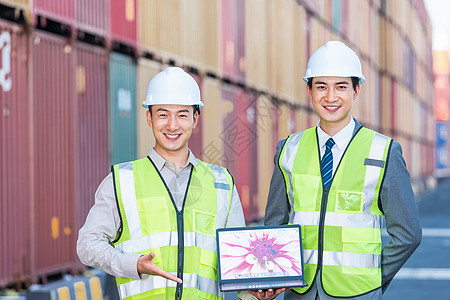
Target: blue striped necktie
[(327, 163)]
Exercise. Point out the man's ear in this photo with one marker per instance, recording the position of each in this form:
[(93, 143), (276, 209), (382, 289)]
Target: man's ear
[(308, 90), (356, 91), (196, 116), (149, 118)]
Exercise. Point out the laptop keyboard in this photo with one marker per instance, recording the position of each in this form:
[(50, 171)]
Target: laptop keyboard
[(260, 285)]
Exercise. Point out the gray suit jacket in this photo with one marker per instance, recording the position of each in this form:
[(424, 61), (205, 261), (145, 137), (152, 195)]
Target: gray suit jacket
[(396, 201)]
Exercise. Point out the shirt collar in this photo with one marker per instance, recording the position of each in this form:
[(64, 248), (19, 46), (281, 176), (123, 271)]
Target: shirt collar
[(159, 161), (341, 138)]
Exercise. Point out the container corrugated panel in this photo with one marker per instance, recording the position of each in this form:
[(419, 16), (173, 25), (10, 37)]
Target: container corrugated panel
[(215, 110), (418, 117), (284, 72), (354, 22), (315, 5), (211, 42), (147, 25), (301, 120), (270, 44), (374, 36), (344, 18), (196, 139), (123, 21), (429, 151), (416, 167), (257, 28), (92, 126), (284, 120), (200, 34), (382, 54), (316, 34), (328, 11), (147, 69), (421, 81), (240, 146), (24, 5), (300, 54), (93, 16), (364, 33), (385, 104), (170, 26), (62, 11), (232, 39), (15, 151), (122, 94), (53, 106), (265, 113), (160, 27), (406, 149), (336, 14)]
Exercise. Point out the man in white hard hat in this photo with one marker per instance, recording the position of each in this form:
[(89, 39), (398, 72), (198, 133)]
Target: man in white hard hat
[(154, 220), (338, 180)]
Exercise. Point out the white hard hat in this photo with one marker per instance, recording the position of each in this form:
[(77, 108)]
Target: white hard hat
[(334, 59), (173, 86)]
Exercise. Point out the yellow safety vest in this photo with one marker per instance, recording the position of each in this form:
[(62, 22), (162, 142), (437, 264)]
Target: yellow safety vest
[(184, 242), (341, 225)]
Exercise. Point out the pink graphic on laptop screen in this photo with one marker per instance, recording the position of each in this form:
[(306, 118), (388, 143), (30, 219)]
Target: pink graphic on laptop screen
[(256, 254)]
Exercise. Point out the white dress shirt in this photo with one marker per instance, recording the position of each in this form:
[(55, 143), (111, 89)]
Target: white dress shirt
[(103, 222), (341, 139)]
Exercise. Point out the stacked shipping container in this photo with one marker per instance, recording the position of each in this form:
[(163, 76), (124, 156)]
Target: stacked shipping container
[(84, 101), (441, 67), (15, 127)]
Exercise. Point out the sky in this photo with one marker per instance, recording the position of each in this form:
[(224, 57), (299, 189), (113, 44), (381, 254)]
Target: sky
[(439, 10)]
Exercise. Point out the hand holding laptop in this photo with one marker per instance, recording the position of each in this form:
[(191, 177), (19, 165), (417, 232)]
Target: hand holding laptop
[(267, 294), (263, 260), (145, 265)]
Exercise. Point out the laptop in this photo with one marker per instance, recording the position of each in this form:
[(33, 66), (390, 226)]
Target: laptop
[(263, 257)]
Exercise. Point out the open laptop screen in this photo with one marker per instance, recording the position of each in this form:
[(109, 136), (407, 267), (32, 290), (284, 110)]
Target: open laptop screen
[(260, 257)]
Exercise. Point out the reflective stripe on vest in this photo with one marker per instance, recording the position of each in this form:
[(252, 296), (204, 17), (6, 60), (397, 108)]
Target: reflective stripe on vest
[(156, 285), (149, 224), (349, 233)]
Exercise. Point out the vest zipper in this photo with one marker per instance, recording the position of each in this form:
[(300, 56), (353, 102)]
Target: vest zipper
[(180, 231), (180, 228), (323, 209)]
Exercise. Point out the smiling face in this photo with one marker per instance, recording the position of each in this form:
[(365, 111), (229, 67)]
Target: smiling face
[(172, 127), (332, 99)]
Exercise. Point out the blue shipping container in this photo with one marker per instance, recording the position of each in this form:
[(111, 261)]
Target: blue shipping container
[(122, 88)]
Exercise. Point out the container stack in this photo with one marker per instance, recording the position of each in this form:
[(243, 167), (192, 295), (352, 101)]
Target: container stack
[(441, 67), (75, 74)]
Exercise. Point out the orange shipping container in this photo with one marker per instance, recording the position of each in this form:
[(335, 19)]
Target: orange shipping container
[(200, 34), (257, 27)]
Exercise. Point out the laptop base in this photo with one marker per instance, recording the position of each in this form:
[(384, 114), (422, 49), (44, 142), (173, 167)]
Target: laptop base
[(227, 287)]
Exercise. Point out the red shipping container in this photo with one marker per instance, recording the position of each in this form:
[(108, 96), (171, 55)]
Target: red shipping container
[(15, 153), (93, 16), (240, 147), (123, 22), (53, 104), (233, 39), (62, 11), (91, 124)]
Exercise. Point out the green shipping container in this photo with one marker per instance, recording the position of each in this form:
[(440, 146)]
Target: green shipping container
[(122, 89)]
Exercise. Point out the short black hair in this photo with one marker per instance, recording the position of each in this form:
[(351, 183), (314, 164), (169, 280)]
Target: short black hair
[(195, 107), (355, 82)]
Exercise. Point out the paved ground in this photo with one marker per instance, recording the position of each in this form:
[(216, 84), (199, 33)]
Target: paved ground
[(426, 275)]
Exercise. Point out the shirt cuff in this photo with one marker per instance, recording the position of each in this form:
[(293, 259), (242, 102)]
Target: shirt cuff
[(129, 265)]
